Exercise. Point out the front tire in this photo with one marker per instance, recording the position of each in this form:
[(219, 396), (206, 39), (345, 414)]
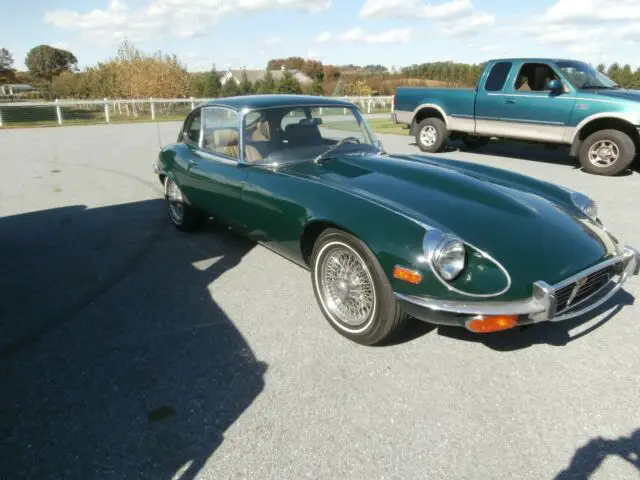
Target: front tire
[(431, 135), (352, 290), (607, 152), (183, 216)]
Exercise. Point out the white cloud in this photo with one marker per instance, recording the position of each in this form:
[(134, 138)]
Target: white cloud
[(359, 35), (157, 17), (324, 37), (469, 25), (455, 17), (414, 9), (61, 45), (593, 11)]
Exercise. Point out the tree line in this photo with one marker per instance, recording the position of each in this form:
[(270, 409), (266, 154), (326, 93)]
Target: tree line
[(132, 73)]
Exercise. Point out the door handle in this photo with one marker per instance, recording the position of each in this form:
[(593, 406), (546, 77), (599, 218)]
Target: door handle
[(192, 163), (511, 101)]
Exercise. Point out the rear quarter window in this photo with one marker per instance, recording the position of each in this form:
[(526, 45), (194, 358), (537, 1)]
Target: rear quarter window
[(497, 76)]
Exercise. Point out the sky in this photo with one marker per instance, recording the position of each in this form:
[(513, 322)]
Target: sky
[(394, 33)]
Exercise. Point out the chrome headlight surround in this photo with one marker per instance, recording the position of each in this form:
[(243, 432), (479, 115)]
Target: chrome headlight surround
[(586, 205), (446, 254)]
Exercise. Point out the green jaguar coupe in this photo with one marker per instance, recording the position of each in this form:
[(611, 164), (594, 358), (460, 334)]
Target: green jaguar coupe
[(390, 236)]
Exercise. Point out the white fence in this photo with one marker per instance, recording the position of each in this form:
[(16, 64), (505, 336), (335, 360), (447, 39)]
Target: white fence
[(69, 112)]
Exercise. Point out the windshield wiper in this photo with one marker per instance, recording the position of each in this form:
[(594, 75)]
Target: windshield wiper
[(327, 153)]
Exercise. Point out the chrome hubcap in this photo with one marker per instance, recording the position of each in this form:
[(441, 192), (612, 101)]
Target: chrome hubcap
[(346, 286), (429, 135), (175, 200), (603, 153)]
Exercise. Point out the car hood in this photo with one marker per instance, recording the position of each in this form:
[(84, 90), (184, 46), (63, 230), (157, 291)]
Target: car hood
[(633, 95), (529, 226)]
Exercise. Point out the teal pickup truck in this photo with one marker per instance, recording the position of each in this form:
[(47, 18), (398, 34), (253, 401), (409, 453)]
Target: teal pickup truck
[(540, 100)]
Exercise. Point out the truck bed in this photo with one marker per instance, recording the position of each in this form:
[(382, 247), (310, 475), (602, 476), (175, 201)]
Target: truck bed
[(454, 101)]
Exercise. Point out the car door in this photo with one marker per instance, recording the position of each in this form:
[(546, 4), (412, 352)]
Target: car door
[(527, 109), (213, 175)]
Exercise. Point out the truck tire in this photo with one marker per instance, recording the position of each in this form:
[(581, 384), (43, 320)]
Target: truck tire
[(472, 141), (607, 152), (431, 135)]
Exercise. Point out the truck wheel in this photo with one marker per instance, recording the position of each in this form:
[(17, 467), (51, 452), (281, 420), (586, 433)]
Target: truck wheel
[(431, 135), (472, 141), (607, 152)]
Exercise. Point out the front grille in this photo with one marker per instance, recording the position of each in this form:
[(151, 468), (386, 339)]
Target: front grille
[(584, 287)]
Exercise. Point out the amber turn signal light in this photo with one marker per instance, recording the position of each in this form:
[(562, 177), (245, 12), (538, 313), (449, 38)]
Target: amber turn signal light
[(492, 323), (407, 275)]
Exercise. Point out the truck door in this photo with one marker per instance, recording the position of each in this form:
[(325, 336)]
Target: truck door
[(524, 107)]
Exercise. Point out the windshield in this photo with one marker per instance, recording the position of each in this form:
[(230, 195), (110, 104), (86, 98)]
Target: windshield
[(288, 134), (583, 75)]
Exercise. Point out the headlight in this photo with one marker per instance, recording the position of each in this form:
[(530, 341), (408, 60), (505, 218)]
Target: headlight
[(446, 254), (586, 205)]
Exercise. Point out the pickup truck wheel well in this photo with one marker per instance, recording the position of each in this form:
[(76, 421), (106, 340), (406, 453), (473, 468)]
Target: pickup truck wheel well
[(426, 112), (604, 124)]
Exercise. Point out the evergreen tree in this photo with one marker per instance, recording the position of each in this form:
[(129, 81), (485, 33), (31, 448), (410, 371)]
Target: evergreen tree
[(316, 88), (245, 87), (230, 89), (339, 90), (212, 85), (288, 84), (267, 84)]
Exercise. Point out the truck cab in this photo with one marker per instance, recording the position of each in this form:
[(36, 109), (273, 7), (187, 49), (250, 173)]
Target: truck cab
[(541, 100)]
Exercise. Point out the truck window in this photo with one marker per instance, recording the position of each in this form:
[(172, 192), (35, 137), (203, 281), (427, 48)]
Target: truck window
[(533, 77), (497, 76)]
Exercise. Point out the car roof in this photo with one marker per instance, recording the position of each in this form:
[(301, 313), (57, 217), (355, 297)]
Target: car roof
[(532, 59), (275, 100)]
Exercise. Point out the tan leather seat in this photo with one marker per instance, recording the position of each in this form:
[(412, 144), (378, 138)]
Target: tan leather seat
[(226, 142), (522, 84), (262, 132)]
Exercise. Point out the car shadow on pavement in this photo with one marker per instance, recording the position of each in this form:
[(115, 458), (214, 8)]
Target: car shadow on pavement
[(115, 359), (535, 152), (590, 457), (549, 333)]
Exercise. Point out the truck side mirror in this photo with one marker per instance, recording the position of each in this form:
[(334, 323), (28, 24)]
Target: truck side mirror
[(555, 86)]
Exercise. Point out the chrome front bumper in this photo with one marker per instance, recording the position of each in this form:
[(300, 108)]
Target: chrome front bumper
[(542, 306)]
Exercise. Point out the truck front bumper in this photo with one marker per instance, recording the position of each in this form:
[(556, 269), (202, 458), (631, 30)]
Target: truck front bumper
[(568, 299)]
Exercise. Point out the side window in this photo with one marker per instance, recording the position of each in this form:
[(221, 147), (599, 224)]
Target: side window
[(497, 76), (291, 117), (192, 129), (533, 77), (220, 131)]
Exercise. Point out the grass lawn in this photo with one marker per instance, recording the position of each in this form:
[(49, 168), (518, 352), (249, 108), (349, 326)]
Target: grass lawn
[(378, 125)]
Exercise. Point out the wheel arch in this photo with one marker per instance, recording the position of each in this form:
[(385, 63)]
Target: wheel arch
[(427, 110), (604, 121), (312, 231)]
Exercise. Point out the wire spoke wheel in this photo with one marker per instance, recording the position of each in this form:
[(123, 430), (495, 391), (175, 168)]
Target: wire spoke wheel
[(175, 202), (346, 286)]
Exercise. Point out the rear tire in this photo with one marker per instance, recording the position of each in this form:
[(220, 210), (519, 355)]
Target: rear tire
[(607, 152), (183, 216), (352, 290), (431, 135)]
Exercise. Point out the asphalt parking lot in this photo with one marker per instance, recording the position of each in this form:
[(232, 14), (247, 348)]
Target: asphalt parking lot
[(129, 350)]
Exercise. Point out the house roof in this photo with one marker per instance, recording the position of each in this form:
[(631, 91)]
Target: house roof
[(255, 75), (275, 100)]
